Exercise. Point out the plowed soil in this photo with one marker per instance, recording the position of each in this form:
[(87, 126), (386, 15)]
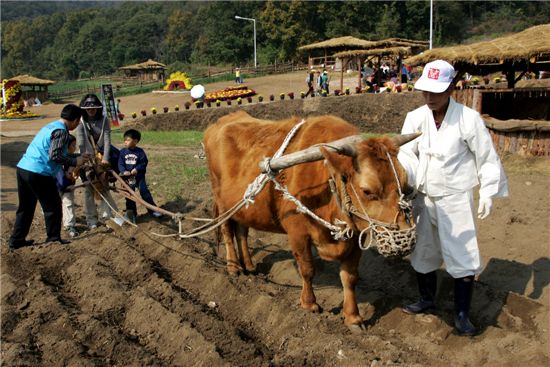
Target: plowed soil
[(121, 296)]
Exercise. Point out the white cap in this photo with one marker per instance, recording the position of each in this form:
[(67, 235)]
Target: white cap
[(436, 77)]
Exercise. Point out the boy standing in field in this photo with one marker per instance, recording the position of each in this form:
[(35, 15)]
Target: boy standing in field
[(132, 164), (64, 178)]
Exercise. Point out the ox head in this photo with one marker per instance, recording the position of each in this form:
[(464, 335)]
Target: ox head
[(369, 182)]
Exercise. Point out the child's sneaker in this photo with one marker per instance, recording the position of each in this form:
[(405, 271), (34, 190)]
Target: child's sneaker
[(72, 232), (156, 215)]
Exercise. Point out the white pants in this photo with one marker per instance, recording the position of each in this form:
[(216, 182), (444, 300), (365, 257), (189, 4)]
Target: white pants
[(90, 208), (67, 199), (445, 232)]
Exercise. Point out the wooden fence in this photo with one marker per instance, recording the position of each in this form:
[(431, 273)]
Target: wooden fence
[(124, 83), (523, 123)]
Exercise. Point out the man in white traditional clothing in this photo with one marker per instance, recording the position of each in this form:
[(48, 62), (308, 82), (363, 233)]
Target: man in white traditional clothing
[(454, 154)]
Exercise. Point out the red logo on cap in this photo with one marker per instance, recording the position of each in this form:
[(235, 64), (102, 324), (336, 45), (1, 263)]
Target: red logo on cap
[(433, 74)]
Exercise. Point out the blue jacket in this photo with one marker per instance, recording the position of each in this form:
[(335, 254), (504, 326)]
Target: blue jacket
[(62, 182), (133, 158), (37, 157)]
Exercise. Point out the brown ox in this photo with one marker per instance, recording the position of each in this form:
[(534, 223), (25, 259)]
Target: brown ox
[(238, 142)]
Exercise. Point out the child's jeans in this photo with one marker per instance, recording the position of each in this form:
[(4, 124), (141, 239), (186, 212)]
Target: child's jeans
[(69, 219), (141, 184)]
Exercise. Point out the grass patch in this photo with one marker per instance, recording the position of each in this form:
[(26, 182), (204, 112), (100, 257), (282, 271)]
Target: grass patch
[(175, 173), (184, 138)]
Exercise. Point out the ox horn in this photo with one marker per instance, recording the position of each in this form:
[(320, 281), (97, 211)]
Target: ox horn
[(404, 139)]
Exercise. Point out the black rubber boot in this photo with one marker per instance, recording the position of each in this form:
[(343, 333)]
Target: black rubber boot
[(463, 298), (427, 285), (14, 245)]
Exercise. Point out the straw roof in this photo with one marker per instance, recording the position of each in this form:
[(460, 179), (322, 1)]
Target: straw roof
[(425, 43), (31, 80), (339, 42), (395, 51), (399, 42), (149, 64), (530, 45)]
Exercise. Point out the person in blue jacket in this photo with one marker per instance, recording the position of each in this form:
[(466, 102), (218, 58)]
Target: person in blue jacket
[(132, 164), (36, 181)]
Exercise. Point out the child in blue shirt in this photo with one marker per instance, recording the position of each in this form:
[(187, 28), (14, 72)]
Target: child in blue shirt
[(64, 178), (132, 164)]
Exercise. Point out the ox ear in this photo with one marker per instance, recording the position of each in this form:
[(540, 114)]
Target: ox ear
[(338, 163)]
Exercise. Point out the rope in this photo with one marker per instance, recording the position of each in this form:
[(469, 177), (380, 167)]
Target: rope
[(259, 182), (338, 231)]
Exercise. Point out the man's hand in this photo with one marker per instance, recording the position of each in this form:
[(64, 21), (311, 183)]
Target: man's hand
[(80, 160), (126, 173), (485, 206), (134, 172), (104, 162)]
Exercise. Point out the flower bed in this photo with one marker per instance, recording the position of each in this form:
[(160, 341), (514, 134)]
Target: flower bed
[(229, 93)]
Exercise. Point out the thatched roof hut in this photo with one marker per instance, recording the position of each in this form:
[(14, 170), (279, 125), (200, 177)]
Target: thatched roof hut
[(34, 87), (32, 80), (528, 50), (328, 47), (394, 48), (148, 70), (394, 51), (346, 42)]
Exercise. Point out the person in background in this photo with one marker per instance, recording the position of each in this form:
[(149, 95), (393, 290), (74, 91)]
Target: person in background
[(404, 74), (325, 79), (94, 136), (36, 178), (238, 76), (454, 154), (66, 177), (132, 164), (309, 80)]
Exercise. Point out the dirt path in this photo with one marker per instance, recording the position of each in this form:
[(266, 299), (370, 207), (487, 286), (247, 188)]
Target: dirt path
[(124, 297)]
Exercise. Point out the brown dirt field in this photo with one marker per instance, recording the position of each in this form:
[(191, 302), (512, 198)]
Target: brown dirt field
[(121, 296)]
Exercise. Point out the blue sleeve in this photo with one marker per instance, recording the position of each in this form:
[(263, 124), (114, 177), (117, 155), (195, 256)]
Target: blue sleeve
[(121, 161), (141, 165), (61, 181)]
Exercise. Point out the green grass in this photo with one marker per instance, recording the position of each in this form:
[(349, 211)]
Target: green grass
[(173, 169), (77, 84), (172, 174), (162, 138)]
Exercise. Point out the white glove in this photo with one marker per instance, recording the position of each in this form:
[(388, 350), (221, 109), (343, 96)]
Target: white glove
[(485, 206)]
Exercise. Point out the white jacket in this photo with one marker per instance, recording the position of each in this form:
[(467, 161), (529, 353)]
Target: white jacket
[(455, 158)]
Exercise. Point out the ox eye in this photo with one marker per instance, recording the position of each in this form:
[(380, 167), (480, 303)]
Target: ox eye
[(370, 195)]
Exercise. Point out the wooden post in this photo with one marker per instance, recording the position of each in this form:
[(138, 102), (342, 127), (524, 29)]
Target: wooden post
[(378, 77), (359, 64), (343, 61)]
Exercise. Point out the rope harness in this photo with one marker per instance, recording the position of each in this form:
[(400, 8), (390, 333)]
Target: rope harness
[(388, 238)]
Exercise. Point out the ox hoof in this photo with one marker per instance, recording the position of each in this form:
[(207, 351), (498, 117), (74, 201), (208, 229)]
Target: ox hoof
[(357, 328), (251, 269), (312, 307), (233, 270)]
